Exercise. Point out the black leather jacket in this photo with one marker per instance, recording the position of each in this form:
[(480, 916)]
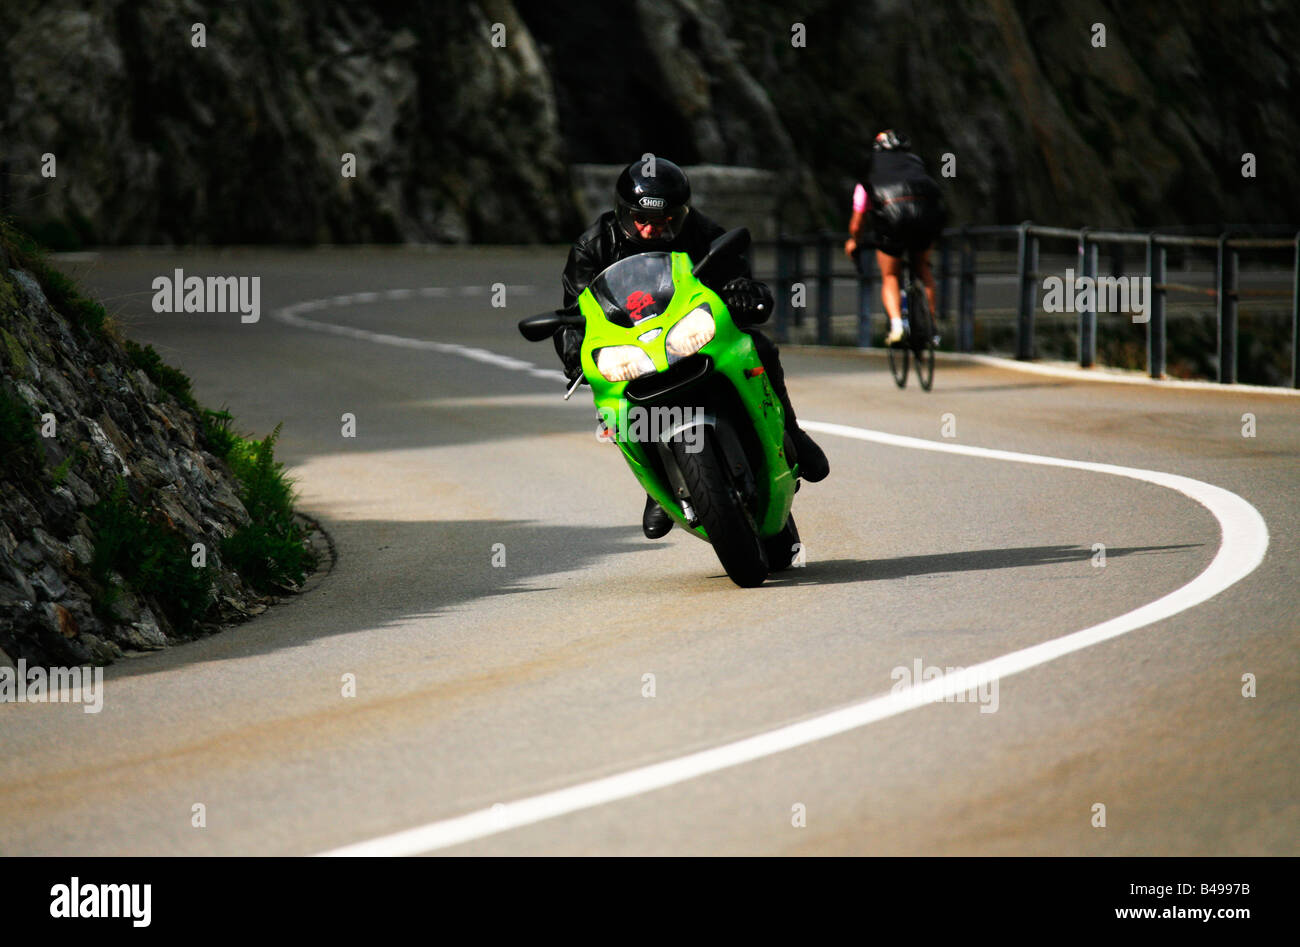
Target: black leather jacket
[(604, 243)]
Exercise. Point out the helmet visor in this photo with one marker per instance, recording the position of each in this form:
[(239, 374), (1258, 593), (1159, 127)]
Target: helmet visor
[(652, 226)]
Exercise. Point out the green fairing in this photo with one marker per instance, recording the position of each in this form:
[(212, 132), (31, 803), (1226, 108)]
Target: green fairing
[(732, 352)]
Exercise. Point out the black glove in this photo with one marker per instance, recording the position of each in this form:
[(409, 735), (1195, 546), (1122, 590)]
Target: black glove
[(568, 345), (748, 299)]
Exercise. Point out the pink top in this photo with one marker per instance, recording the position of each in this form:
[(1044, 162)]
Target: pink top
[(860, 201)]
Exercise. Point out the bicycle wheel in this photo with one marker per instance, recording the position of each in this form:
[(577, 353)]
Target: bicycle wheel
[(898, 356), (922, 335)]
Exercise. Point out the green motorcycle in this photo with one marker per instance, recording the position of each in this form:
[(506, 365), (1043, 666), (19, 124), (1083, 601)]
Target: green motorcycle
[(681, 390)]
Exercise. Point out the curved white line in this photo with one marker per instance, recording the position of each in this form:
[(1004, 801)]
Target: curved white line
[(1242, 548), (291, 315)]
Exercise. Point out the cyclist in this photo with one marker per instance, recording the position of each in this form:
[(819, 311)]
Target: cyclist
[(906, 212), (653, 212)]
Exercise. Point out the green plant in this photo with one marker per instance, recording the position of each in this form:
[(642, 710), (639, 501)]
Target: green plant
[(270, 550), (19, 445), (171, 380), (86, 315), (222, 441), (153, 560), (60, 473)]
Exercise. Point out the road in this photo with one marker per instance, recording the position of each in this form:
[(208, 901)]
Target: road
[(481, 684)]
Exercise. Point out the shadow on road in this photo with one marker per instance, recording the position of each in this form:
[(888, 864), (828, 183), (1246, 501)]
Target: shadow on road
[(391, 573), (835, 571)]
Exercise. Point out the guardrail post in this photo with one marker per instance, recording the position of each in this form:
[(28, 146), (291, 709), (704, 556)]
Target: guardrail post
[(1295, 316), (1226, 286), (966, 300), (783, 282), (824, 288), (1156, 322), (1087, 321), (1027, 268), (866, 285), (1091, 260)]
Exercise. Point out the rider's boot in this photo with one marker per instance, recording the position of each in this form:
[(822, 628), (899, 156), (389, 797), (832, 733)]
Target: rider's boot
[(655, 521)]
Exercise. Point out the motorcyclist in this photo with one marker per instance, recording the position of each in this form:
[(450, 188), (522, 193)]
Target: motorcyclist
[(652, 212)]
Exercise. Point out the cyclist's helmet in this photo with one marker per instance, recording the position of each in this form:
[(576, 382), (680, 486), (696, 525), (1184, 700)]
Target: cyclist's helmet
[(890, 140), (652, 190)]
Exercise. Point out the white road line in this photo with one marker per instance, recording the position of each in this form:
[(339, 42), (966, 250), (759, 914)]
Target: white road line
[(1243, 543), (1241, 549), (291, 316)]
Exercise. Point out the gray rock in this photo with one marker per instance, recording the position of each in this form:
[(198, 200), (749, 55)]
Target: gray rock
[(30, 553), (224, 500), (25, 590), (61, 504), (145, 633), (47, 582), (81, 490), (170, 502), (35, 398), (51, 549), (127, 607), (60, 620), (82, 549), (101, 651), (61, 393), (23, 514), (30, 288), (152, 471), (147, 388), (108, 451)]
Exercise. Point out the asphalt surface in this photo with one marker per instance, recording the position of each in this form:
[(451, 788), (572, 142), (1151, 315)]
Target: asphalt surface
[(479, 684)]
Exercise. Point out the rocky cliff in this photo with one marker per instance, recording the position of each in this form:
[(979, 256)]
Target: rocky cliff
[(464, 118), (122, 524)]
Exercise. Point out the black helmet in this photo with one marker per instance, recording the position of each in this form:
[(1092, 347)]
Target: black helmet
[(652, 189), (890, 140)]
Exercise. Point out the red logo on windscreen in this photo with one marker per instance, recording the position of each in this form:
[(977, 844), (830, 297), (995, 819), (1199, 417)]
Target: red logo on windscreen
[(638, 302)]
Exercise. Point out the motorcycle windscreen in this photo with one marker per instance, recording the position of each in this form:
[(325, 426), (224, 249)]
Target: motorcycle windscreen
[(635, 289)]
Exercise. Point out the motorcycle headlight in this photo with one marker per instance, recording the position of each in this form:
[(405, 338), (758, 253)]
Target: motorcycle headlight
[(694, 331), (623, 362)]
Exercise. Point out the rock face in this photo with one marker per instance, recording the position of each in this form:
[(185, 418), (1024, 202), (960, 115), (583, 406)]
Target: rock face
[(464, 117), (1148, 130), (242, 140), (99, 419)]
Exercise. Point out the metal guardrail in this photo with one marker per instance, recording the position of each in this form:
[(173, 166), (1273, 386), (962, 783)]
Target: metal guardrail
[(961, 242)]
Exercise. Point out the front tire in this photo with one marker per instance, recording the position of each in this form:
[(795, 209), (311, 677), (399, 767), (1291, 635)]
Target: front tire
[(724, 517), (922, 336), (782, 548)]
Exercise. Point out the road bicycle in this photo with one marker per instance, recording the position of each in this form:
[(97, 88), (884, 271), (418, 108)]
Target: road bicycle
[(919, 331)]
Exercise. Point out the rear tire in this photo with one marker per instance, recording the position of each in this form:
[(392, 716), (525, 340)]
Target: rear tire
[(898, 355), (718, 505)]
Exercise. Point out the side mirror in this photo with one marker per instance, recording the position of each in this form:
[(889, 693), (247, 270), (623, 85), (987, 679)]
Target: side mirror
[(546, 324), (732, 242)]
